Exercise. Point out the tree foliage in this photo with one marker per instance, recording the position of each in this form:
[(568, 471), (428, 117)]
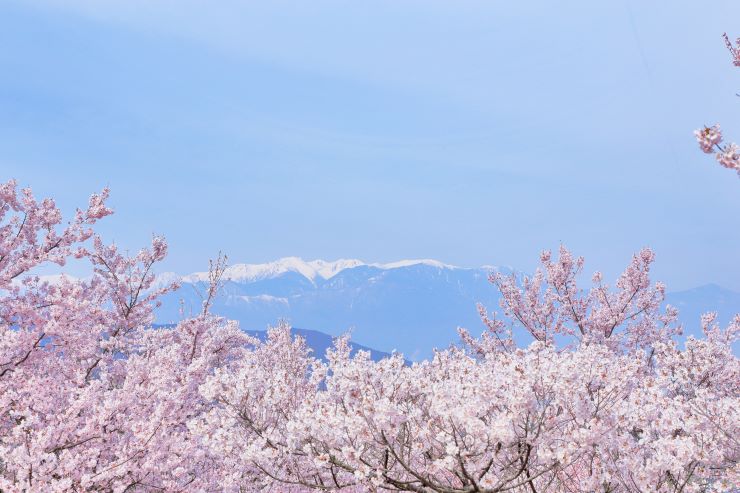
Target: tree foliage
[(92, 398)]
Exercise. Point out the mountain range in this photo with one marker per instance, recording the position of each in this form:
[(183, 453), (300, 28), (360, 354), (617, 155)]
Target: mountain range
[(411, 306)]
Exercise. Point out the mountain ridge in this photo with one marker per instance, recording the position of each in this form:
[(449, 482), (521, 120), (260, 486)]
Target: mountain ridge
[(311, 269)]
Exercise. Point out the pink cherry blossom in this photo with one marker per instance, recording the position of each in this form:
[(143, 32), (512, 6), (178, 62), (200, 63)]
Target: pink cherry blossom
[(621, 408), (730, 157), (93, 397), (708, 138)]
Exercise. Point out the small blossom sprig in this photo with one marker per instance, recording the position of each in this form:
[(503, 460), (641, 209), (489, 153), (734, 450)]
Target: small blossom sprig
[(734, 49), (710, 138)]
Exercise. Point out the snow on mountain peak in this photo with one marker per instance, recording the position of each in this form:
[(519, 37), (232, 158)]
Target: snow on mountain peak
[(330, 269), (255, 272), (407, 263), (309, 269)]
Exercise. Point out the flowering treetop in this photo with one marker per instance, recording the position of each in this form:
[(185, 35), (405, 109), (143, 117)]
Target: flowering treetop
[(91, 398)]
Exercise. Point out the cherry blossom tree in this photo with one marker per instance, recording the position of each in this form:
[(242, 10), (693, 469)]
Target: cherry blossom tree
[(91, 398), (603, 400), (710, 138)]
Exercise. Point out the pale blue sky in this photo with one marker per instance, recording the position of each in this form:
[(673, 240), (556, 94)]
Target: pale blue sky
[(469, 132)]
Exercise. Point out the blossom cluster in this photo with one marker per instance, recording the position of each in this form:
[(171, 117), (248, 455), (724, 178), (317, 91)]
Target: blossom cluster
[(93, 398), (710, 138)]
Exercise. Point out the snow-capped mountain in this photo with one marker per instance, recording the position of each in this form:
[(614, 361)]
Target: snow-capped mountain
[(311, 270), (411, 305)]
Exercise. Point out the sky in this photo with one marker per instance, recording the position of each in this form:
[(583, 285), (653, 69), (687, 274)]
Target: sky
[(469, 132)]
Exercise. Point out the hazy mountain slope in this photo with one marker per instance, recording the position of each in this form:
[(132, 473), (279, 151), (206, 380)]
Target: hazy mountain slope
[(694, 302)]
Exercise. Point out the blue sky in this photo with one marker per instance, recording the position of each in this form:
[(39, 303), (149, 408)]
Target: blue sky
[(469, 132)]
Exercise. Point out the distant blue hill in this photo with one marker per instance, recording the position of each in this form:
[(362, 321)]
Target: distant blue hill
[(408, 306)]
